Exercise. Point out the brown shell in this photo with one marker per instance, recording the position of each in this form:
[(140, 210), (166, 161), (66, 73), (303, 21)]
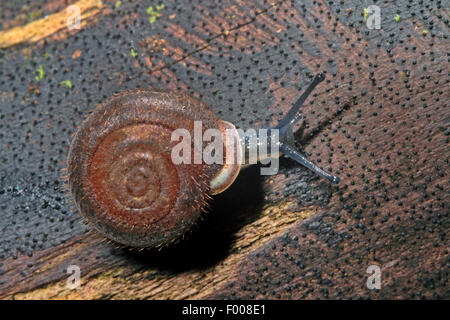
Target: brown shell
[(121, 174)]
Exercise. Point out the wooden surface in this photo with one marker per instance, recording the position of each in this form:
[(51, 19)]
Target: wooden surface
[(380, 121)]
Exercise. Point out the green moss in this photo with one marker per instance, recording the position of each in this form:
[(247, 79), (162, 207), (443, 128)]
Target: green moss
[(154, 13), (365, 14), (40, 73), (67, 83)]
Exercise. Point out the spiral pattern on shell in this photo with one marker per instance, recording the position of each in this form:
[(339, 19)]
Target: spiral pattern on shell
[(121, 174)]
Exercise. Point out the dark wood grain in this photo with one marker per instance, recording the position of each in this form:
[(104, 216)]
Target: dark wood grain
[(380, 121)]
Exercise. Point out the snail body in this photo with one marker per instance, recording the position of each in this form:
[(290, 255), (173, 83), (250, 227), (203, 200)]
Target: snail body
[(122, 175)]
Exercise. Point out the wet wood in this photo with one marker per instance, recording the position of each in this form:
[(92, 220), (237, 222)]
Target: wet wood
[(380, 122)]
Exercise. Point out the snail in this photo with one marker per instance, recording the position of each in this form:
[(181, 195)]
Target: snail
[(122, 176)]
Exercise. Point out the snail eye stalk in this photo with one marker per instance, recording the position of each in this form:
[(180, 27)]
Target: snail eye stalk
[(286, 125)]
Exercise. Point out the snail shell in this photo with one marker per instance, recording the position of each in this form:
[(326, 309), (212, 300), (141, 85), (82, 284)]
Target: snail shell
[(121, 174)]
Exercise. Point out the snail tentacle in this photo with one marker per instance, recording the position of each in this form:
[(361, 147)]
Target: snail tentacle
[(286, 126), (293, 115), (294, 154)]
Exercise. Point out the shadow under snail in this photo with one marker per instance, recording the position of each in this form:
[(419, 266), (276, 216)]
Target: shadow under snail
[(124, 181)]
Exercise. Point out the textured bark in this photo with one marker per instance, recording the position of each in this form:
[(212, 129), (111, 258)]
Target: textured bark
[(380, 121)]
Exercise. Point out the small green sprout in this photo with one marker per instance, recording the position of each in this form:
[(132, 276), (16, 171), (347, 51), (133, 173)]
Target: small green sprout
[(425, 32), (118, 4), (67, 83), (133, 53), (397, 18), (154, 13), (40, 73), (365, 13)]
